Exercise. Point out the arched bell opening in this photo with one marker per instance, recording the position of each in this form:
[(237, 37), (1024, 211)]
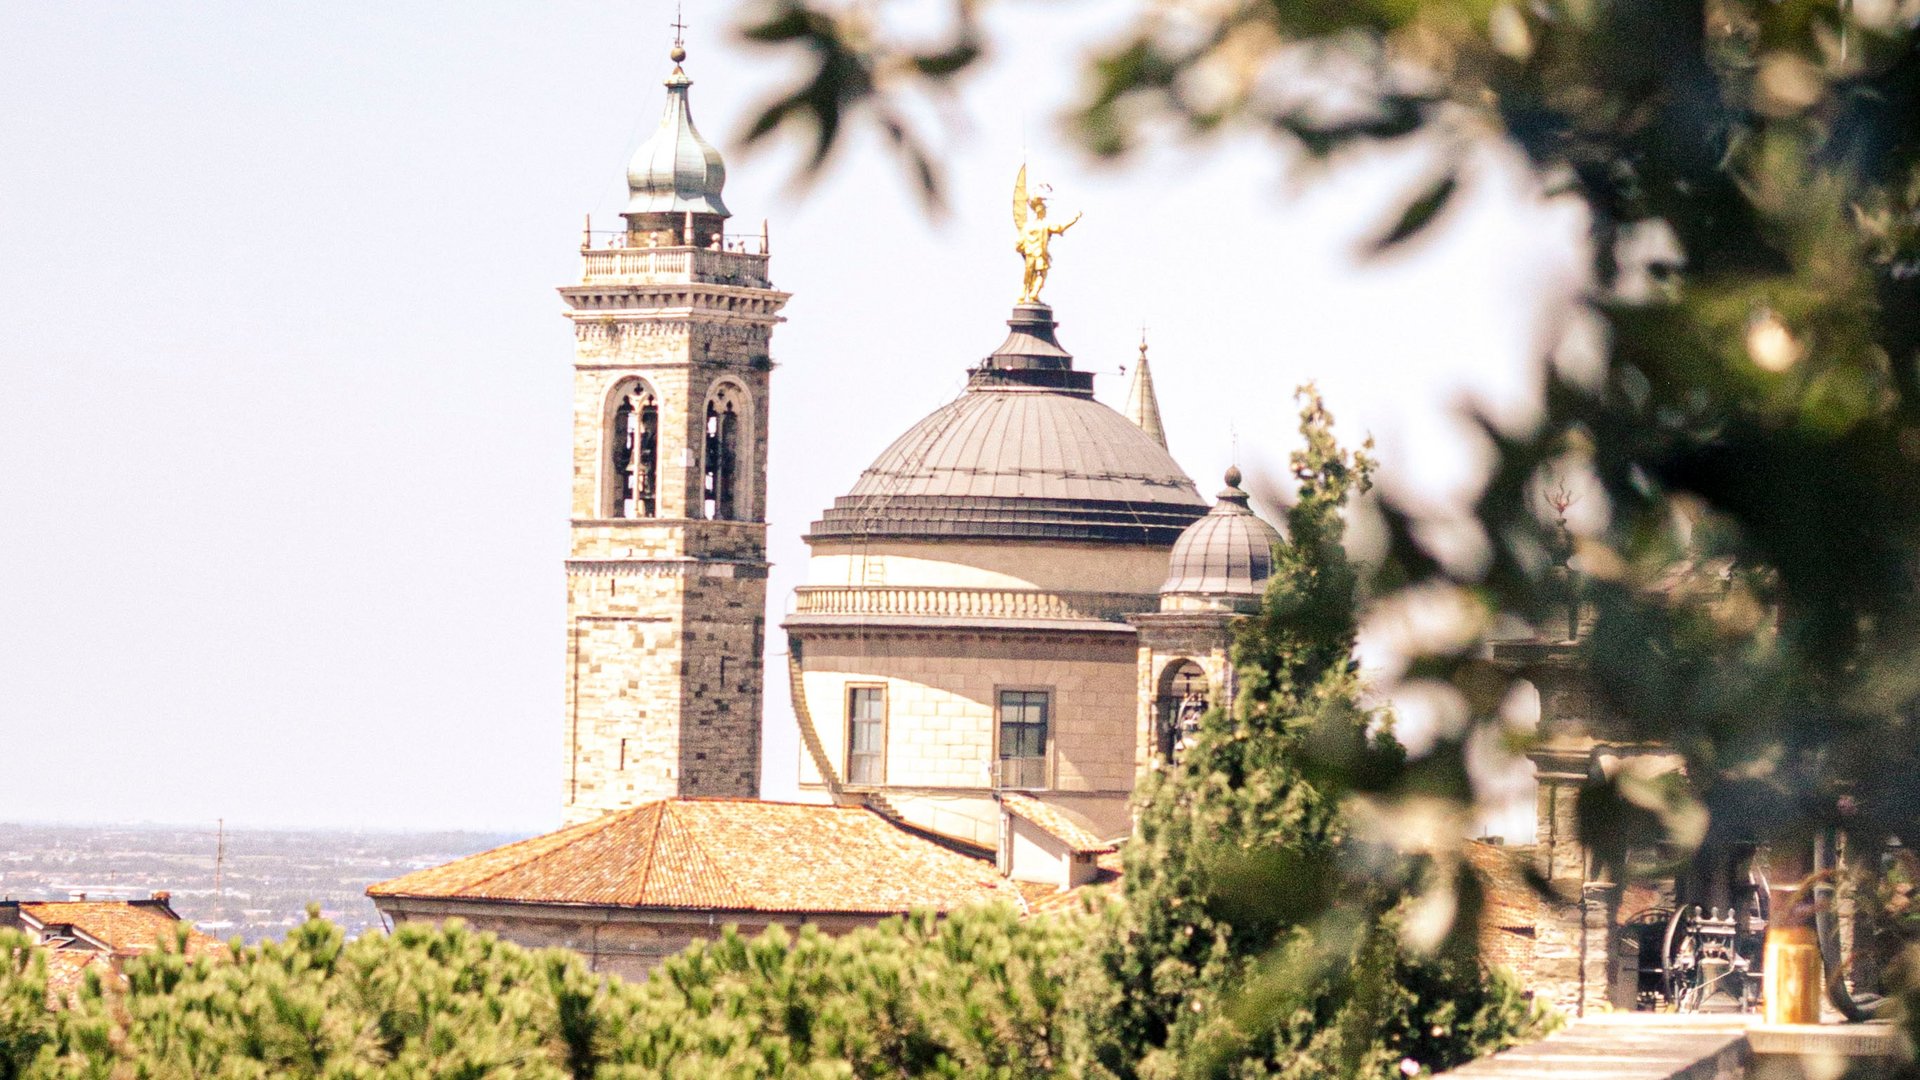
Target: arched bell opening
[(724, 485), (630, 466), (1179, 704)]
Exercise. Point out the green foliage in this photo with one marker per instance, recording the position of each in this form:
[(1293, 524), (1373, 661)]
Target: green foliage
[(1254, 936), (974, 995), (1248, 942), (1746, 442), (26, 1027)]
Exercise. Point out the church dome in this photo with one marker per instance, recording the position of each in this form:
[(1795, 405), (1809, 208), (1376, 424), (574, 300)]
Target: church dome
[(1228, 553), (1025, 454), (676, 171)]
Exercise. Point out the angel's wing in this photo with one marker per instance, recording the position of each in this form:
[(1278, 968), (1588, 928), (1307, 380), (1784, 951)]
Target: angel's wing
[(1020, 199)]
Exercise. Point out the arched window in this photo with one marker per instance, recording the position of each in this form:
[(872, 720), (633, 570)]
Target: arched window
[(632, 469), (1182, 701), (723, 483)]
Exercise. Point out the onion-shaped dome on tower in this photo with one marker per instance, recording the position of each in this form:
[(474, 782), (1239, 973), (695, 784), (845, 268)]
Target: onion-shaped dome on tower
[(1025, 454), (1226, 555), (676, 171)]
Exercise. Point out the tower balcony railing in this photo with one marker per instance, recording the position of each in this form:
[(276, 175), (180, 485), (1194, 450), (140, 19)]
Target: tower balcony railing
[(957, 603), (609, 258)]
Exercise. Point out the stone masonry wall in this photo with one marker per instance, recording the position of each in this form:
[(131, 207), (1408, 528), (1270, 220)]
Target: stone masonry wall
[(941, 704), (1575, 938), (1164, 642), (666, 616), (627, 944)]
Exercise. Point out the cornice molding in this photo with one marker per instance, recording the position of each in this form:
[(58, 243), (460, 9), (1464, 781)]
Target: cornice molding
[(744, 569)]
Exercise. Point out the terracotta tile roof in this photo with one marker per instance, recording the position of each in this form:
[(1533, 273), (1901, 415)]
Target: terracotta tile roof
[(1054, 823), (67, 968), (77, 936), (721, 854), (125, 927)]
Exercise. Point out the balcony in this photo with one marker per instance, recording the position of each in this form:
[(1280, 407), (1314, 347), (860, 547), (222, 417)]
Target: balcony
[(738, 260), (929, 602)]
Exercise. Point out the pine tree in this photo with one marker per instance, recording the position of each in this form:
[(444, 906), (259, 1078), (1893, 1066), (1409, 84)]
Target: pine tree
[(26, 1026), (1242, 944), (974, 994)]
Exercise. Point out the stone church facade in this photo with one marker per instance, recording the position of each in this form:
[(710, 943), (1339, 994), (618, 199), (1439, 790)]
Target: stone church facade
[(1017, 611), (983, 610)]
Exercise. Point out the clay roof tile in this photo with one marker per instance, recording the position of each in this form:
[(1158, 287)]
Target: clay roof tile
[(721, 855)]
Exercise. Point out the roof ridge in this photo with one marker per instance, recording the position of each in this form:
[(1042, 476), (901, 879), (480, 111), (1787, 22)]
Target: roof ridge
[(653, 844)]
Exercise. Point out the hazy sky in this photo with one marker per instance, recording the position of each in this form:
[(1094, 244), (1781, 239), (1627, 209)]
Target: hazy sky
[(284, 383)]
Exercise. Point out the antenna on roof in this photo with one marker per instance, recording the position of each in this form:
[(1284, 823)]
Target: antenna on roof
[(220, 866)]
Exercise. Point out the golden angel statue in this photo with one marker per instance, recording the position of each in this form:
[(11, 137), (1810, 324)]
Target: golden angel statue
[(1032, 233)]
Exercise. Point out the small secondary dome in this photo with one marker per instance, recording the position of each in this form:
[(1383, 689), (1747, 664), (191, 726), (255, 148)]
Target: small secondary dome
[(1025, 454), (676, 171), (1228, 553)]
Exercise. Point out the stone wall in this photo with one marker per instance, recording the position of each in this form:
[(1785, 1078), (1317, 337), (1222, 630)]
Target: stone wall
[(1166, 639), (941, 704), (666, 615), (625, 942), (1578, 935)]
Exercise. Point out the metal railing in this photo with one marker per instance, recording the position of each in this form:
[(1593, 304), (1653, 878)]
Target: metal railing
[(622, 240)]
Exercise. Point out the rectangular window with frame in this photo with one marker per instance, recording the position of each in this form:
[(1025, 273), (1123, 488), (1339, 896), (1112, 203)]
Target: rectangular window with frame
[(1023, 738), (866, 734)]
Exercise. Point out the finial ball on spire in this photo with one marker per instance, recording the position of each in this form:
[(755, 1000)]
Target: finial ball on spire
[(1233, 476), (679, 25)]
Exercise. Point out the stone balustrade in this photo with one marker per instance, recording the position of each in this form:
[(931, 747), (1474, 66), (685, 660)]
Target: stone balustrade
[(649, 265), (927, 601)]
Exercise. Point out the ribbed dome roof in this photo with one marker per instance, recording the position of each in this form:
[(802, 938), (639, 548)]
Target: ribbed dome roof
[(676, 171), (1025, 453), (1229, 552)]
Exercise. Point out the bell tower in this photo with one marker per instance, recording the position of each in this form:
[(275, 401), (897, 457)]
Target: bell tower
[(667, 562)]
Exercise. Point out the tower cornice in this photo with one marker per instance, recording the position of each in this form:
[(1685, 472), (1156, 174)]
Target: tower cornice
[(679, 301)]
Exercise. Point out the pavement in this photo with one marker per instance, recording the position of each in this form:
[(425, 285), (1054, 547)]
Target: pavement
[(1669, 1046)]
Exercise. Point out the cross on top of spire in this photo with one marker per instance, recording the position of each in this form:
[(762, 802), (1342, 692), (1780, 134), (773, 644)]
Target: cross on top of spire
[(679, 25)]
